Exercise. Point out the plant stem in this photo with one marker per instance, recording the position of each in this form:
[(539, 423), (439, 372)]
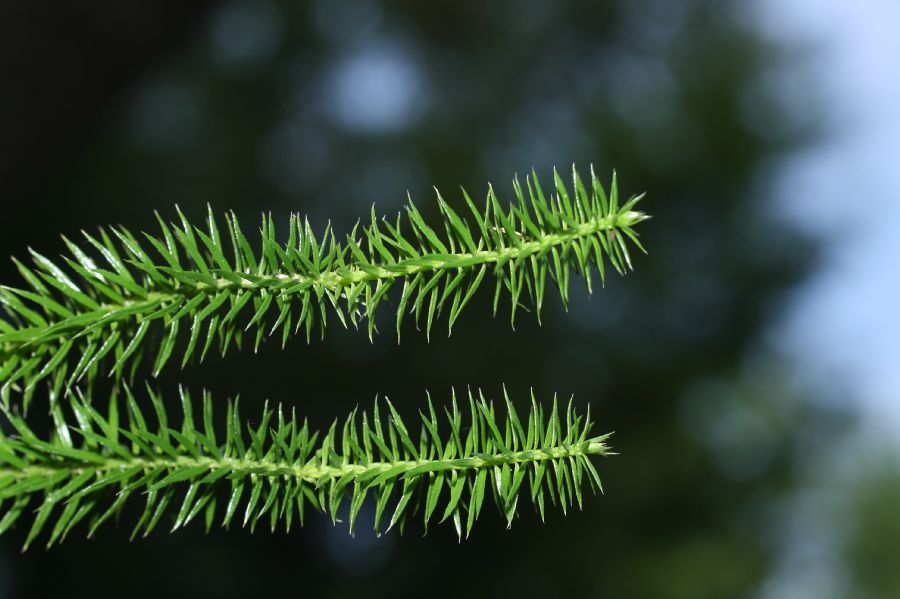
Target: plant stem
[(310, 471), (293, 284)]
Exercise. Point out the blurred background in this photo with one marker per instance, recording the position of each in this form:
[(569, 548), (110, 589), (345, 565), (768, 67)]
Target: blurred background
[(748, 367)]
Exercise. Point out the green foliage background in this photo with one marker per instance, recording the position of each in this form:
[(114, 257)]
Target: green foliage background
[(664, 357)]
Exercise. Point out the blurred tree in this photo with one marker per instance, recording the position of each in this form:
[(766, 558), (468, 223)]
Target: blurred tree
[(869, 548), (325, 107)]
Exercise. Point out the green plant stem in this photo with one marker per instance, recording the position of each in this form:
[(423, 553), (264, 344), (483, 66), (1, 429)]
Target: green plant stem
[(287, 285), (139, 296), (87, 470), (310, 472)]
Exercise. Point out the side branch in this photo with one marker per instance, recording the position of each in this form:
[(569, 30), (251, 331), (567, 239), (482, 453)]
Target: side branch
[(236, 468), (84, 319), (277, 469)]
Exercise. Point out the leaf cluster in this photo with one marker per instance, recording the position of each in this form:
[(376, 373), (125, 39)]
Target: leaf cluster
[(119, 298), (92, 464)]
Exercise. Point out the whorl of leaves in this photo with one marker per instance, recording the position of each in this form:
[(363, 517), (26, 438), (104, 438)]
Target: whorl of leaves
[(91, 465), (119, 296)]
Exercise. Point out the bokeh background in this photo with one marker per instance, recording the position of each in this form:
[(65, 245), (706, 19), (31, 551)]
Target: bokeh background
[(749, 367)]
